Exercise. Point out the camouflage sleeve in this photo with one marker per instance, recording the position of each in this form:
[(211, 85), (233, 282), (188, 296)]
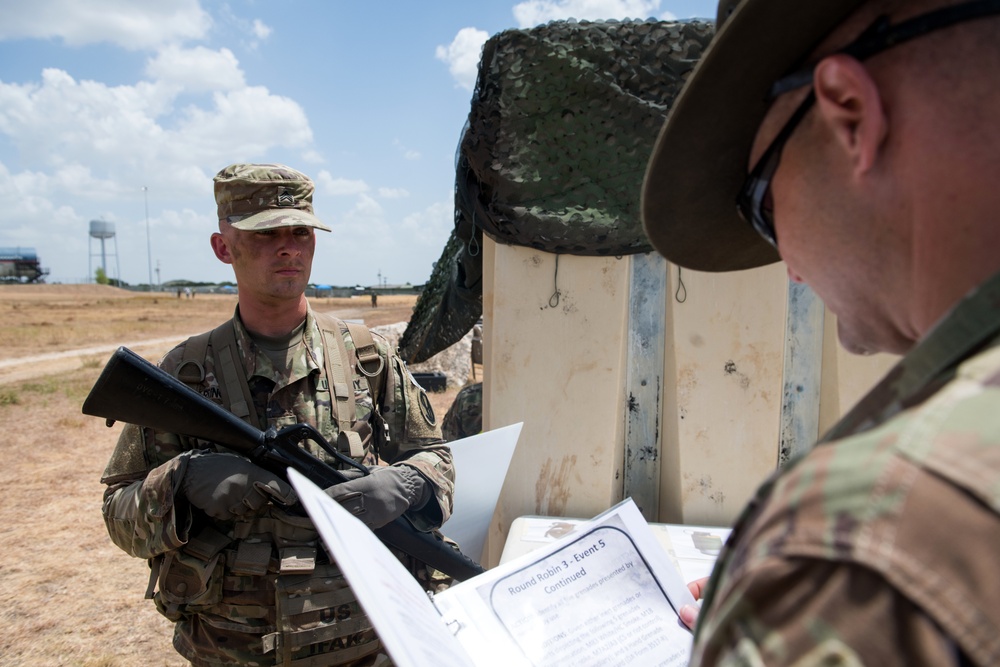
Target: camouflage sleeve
[(813, 612), (465, 416), (140, 509), (142, 515), (414, 435)]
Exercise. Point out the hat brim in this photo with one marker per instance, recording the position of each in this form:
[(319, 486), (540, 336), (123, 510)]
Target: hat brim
[(278, 217), (699, 161)]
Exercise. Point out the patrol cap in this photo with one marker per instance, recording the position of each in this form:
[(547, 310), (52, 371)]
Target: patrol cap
[(699, 161), (254, 197)]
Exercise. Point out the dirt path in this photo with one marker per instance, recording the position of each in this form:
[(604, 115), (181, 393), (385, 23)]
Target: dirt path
[(53, 363), (23, 368)]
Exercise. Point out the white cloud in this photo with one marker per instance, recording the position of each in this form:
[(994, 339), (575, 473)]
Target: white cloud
[(82, 149), (31, 203), (121, 132), (260, 29), (197, 69), (393, 193), (313, 157), (361, 228), (35, 200), (129, 24), (534, 12), (432, 226), (462, 55), (367, 208), (61, 120), (245, 123), (28, 205), (408, 153), (375, 234), (339, 187)]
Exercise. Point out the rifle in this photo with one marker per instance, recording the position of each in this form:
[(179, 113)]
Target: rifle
[(130, 389)]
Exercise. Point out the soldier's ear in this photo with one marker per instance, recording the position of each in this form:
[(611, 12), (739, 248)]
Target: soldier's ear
[(221, 248), (848, 101)]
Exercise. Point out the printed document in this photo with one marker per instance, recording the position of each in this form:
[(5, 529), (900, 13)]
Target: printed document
[(606, 594)]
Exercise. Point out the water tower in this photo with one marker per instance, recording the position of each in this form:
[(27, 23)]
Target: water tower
[(103, 231)]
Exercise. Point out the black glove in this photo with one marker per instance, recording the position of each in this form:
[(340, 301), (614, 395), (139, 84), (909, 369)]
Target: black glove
[(226, 486), (383, 495)]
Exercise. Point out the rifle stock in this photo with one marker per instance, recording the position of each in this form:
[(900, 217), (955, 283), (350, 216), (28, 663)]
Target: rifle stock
[(130, 389)]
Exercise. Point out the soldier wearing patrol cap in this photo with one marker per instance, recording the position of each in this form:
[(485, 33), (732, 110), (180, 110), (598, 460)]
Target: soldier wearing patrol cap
[(243, 575), (857, 140)]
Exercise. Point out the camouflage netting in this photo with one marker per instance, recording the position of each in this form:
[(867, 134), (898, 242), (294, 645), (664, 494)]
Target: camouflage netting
[(452, 300), (563, 120)]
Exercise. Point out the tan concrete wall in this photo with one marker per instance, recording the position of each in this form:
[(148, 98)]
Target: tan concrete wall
[(559, 365), (555, 363), (721, 425)]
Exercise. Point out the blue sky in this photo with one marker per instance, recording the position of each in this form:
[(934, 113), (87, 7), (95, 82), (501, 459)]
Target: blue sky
[(101, 98)]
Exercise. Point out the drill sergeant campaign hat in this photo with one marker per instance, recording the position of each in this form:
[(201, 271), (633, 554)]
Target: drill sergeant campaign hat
[(255, 197), (700, 159)]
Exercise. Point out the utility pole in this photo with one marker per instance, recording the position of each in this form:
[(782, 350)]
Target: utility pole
[(157, 272), (149, 247)]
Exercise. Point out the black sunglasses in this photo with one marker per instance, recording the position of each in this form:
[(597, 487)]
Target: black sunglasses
[(754, 201)]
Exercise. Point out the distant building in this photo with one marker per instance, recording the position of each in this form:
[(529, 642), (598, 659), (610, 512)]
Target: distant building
[(21, 265)]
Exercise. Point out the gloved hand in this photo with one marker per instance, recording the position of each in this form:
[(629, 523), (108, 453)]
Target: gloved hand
[(226, 486), (385, 494)]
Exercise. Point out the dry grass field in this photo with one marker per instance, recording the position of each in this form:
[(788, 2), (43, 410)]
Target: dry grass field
[(67, 595)]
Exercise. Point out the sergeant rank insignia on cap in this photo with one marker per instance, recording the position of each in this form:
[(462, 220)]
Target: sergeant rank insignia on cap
[(286, 199)]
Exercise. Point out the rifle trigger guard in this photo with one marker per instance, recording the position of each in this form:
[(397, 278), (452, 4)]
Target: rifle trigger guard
[(363, 371)]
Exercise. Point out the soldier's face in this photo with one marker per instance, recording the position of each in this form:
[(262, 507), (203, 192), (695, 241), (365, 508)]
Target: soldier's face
[(272, 264), (831, 231)]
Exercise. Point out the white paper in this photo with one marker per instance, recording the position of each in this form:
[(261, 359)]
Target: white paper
[(692, 549), (481, 463), (604, 595), (696, 548), (402, 613)]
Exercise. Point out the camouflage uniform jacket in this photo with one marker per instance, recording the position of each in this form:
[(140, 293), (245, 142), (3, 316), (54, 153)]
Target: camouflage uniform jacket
[(261, 591), (879, 546)]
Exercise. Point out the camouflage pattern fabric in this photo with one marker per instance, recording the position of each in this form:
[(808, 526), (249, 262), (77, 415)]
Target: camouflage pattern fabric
[(465, 416), (564, 117), (451, 301), (262, 591), (255, 197), (879, 546), (562, 121)]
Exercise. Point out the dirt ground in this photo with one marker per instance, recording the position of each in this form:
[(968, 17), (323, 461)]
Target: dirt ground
[(68, 596)]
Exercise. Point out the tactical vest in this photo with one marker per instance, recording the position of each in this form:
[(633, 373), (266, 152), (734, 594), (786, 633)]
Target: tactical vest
[(269, 577), (235, 389)]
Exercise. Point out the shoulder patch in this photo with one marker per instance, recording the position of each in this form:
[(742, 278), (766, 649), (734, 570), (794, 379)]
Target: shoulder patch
[(426, 409)]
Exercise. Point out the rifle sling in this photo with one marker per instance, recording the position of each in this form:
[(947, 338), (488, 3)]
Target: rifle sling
[(367, 352), (229, 371), (233, 382), (364, 347), (382, 396), (344, 408), (235, 389)]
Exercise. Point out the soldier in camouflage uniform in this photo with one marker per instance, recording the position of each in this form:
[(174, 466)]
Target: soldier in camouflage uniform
[(869, 132), (234, 562), (465, 416)]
